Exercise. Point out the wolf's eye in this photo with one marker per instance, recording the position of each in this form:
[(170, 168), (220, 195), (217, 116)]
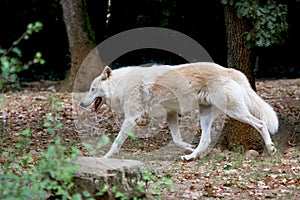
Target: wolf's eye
[(93, 89)]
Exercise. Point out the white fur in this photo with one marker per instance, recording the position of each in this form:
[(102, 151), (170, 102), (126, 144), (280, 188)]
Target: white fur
[(142, 92)]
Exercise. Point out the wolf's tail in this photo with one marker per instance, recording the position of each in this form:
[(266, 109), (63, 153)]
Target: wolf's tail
[(262, 110)]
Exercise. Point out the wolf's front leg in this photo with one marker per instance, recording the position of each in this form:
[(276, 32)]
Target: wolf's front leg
[(126, 128)]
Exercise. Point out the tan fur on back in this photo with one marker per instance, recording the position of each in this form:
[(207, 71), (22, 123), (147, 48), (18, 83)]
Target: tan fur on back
[(197, 79)]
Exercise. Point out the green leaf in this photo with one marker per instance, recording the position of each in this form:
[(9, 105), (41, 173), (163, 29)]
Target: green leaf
[(86, 193), (155, 192), (17, 51), (12, 69), (49, 117), (25, 66), (37, 26), (260, 42), (58, 141), (50, 130), (230, 2), (104, 140), (26, 132), (29, 32), (38, 55), (245, 12), (257, 25), (266, 34), (270, 25), (42, 61), (120, 195), (47, 124), (58, 125), (2, 51), (27, 158), (30, 26), (228, 167), (258, 12), (51, 152), (35, 61), (2, 102), (268, 43), (76, 197), (140, 188), (13, 78)]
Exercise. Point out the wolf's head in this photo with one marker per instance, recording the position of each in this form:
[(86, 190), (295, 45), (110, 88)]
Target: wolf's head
[(96, 93)]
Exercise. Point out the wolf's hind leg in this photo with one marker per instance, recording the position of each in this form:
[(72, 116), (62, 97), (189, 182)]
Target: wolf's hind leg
[(172, 119), (127, 126), (259, 125)]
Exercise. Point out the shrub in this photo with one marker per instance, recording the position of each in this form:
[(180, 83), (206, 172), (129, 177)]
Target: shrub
[(23, 176), (10, 59)]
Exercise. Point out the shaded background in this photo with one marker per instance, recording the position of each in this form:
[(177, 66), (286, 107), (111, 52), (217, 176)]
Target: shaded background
[(203, 21)]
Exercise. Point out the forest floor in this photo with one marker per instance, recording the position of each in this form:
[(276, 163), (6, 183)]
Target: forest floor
[(221, 174)]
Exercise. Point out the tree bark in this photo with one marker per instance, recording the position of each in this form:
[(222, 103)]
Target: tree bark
[(79, 37), (238, 55), (237, 135)]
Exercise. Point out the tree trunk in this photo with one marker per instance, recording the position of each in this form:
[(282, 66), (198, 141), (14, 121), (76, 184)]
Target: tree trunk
[(79, 37), (237, 135), (238, 55)]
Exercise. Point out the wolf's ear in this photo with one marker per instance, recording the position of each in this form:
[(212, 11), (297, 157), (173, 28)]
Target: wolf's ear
[(106, 73)]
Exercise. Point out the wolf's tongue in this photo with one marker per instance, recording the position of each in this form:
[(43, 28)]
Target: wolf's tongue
[(97, 103)]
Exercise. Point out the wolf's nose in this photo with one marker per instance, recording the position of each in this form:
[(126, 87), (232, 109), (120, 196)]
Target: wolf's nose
[(82, 104)]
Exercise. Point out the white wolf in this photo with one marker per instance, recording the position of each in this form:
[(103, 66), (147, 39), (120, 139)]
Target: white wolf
[(143, 92)]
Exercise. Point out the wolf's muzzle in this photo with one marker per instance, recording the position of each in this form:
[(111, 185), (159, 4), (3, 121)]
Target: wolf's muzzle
[(96, 103)]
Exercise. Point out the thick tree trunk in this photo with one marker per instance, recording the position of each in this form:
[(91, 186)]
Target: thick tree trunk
[(237, 135), (79, 37), (238, 55)]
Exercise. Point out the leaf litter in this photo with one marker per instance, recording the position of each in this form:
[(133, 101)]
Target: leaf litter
[(219, 175)]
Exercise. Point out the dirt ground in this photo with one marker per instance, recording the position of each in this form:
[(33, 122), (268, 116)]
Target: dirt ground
[(220, 174)]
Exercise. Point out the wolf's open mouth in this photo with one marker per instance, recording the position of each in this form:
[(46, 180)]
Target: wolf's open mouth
[(97, 103)]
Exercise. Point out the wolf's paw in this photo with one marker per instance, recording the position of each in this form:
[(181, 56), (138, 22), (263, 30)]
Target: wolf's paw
[(188, 157), (271, 148), (190, 147), (185, 145)]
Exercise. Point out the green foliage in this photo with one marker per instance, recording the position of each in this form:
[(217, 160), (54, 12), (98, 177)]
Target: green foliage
[(269, 21), (228, 167), (167, 12), (10, 63), (157, 184), (92, 150), (2, 101), (24, 177), (163, 18), (230, 2), (51, 122)]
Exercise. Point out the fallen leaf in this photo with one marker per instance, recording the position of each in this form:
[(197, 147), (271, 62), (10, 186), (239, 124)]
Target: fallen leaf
[(288, 150)]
